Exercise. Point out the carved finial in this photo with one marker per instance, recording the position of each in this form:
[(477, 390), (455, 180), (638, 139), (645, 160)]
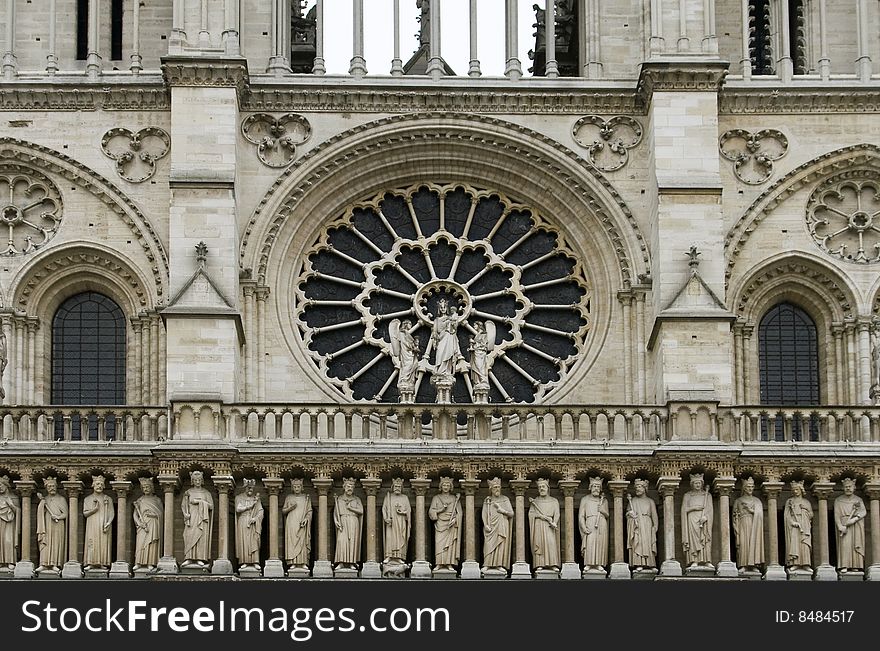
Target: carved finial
[(693, 257), (201, 253)]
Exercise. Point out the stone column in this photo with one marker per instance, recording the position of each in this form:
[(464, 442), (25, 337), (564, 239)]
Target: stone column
[(223, 484), (551, 68), (513, 67), (570, 568), (396, 61), (435, 58), (474, 63), (667, 487), (863, 22), (319, 68), (274, 566), (724, 485), (371, 568), (72, 568), (774, 571), (824, 570), (121, 568), (872, 490), (24, 568), (619, 566), (168, 562), (470, 568), (323, 568), (421, 567), (358, 65), (521, 569), (10, 64), (93, 58)]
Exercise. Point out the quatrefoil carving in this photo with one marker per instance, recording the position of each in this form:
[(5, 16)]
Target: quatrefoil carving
[(136, 152), (753, 153), (607, 141), (276, 138)]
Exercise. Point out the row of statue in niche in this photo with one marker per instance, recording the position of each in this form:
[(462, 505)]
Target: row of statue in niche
[(446, 513)]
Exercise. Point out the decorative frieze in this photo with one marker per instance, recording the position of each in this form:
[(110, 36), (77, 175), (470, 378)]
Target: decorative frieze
[(753, 154), (136, 153), (607, 141), (276, 138)]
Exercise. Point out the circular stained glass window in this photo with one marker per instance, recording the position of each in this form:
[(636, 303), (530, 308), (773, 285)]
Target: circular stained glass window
[(442, 291)]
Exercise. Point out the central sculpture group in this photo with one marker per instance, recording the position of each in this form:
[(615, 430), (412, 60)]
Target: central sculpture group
[(498, 517)]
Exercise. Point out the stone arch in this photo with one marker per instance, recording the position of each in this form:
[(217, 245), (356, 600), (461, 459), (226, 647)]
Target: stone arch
[(450, 148), (861, 156), (814, 286), (21, 152)]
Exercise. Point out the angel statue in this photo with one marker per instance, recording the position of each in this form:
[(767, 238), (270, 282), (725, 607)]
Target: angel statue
[(405, 354), (481, 344)]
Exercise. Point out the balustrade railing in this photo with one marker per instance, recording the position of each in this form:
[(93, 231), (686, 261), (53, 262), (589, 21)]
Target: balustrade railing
[(84, 423)]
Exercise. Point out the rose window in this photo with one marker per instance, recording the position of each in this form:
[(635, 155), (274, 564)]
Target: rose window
[(843, 215), (442, 293), (30, 211)]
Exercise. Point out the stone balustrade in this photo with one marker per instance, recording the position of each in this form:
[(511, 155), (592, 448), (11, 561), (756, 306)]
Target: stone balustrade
[(83, 423)]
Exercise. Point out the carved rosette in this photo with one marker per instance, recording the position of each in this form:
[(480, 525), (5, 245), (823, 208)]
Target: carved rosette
[(399, 254), (843, 215), (276, 138), (30, 209), (607, 141), (753, 154), (136, 152)]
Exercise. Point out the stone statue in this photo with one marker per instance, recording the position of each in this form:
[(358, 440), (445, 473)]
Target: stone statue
[(405, 354), (697, 513), (347, 516), (445, 512), (849, 520), (248, 525), (197, 505), (481, 344), (447, 350), (51, 527), (798, 520), (4, 359), (10, 524), (397, 516), (98, 512), (297, 510), (148, 518), (593, 524), (497, 534), (544, 528), (748, 527), (875, 366), (642, 525)]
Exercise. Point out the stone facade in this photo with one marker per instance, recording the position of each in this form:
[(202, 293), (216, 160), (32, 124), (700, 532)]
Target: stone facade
[(618, 236)]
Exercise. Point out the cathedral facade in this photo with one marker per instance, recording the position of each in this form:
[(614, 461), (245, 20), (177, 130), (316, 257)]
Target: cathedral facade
[(613, 314)]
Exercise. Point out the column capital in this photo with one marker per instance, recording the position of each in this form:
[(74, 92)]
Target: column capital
[(469, 486), (322, 485), (420, 486), (25, 487), (618, 486), (568, 486), (371, 485), (223, 483), (168, 482), (872, 490), (519, 486), (273, 485), (772, 488), (121, 487), (724, 485), (668, 485), (822, 490), (73, 487), (261, 292)]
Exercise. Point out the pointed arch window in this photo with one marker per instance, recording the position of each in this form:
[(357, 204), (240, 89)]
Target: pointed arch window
[(788, 358)]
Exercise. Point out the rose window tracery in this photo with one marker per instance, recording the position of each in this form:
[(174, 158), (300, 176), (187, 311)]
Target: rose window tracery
[(442, 293), (30, 210), (843, 215)]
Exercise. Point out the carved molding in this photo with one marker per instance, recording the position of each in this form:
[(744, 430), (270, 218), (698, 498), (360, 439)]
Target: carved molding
[(753, 154), (143, 231), (486, 139), (149, 95), (740, 100), (30, 209), (843, 215), (658, 76), (607, 141), (855, 156), (136, 153), (276, 138)]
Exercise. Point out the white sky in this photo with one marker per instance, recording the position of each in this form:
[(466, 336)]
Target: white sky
[(455, 45)]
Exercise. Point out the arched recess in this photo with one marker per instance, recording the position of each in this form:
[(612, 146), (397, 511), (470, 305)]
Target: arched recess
[(441, 148), (819, 290), (862, 156), (53, 276)]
